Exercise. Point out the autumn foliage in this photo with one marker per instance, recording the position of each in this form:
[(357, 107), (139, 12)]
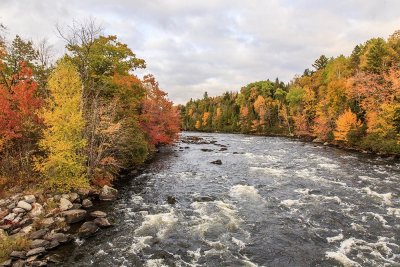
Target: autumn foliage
[(82, 120), (351, 101)]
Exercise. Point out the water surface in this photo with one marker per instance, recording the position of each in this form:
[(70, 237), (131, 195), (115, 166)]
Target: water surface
[(273, 202)]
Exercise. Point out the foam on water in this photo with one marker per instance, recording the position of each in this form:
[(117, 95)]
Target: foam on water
[(245, 192), (291, 202), (215, 214), (155, 263), (269, 170), (239, 243), (394, 212), (335, 238), (386, 198), (140, 242), (157, 225), (366, 253), (329, 166)]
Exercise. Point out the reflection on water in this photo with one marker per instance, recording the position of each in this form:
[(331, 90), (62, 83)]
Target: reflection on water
[(272, 202)]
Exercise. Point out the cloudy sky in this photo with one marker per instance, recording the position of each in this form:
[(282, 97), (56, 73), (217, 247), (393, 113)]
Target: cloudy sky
[(193, 46)]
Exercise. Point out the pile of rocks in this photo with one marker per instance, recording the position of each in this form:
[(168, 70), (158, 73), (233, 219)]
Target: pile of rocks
[(47, 225)]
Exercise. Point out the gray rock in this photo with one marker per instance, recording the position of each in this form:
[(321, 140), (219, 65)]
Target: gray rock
[(76, 206), (18, 210), (108, 193), (98, 214), (36, 251), (217, 162), (53, 244), (30, 199), (88, 229), (19, 263), (24, 205), (11, 205), (65, 204), (10, 217), (74, 198), (102, 222), (74, 216), (87, 203), (38, 234), (6, 263), (171, 200), (59, 237), (203, 199), (18, 255), (38, 263), (37, 210), (39, 243)]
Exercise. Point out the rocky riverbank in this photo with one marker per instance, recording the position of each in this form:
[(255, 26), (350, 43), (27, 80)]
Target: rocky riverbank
[(31, 225)]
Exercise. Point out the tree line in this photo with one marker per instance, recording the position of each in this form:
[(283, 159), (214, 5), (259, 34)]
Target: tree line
[(79, 120), (348, 100)]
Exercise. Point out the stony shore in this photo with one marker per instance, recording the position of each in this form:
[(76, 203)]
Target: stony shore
[(42, 222)]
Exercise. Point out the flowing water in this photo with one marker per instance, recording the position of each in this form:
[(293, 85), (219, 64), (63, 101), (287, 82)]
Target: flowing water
[(273, 202)]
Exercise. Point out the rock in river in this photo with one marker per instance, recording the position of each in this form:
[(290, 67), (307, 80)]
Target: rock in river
[(74, 216), (217, 162), (88, 229), (98, 214), (108, 193)]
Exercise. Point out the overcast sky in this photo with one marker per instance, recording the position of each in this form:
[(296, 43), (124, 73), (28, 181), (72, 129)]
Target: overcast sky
[(192, 46)]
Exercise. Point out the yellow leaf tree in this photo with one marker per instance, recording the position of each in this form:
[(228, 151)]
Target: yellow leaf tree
[(64, 164), (344, 124)]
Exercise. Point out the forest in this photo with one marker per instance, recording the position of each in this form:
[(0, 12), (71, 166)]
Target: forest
[(80, 119), (351, 101)]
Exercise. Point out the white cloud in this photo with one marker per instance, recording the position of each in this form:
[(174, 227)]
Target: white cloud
[(216, 45)]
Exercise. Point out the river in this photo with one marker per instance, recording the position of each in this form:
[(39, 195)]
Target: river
[(272, 202)]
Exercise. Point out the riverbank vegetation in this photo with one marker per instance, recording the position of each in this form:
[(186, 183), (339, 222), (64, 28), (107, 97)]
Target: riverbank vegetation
[(78, 120), (352, 101)]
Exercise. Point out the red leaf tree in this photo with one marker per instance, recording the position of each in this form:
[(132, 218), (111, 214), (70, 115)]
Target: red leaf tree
[(159, 119)]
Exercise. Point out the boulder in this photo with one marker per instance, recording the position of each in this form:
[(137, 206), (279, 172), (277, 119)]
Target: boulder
[(203, 199), (98, 214), (19, 263), (74, 198), (59, 237), (171, 200), (87, 203), (18, 255), (37, 243), (108, 193), (102, 222), (217, 162), (74, 216), (37, 210), (65, 204), (38, 263), (24, 205), (10, 217), (30, 199), (6, 263), (88, 229), (18, 210), (83, 192), (36, 251), (38, 234), (76, 206)]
